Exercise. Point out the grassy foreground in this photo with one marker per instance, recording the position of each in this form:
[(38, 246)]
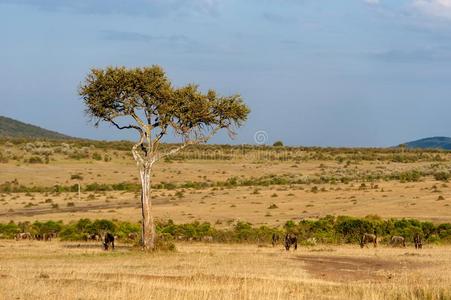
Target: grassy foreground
[(61, 270)]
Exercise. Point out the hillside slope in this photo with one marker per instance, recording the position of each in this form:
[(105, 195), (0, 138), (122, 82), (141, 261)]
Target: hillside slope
[(13, 128), (437, 142)]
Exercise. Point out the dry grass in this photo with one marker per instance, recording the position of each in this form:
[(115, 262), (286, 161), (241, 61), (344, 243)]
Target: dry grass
[(56, 270), (391, 199), (39, 270), (415, 200)]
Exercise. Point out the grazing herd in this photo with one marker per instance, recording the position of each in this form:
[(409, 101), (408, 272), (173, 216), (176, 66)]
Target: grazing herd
[(290, 240), (366, 239), (38, 236), (106, 238)]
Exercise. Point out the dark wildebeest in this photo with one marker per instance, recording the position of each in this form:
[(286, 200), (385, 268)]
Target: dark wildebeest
[(23, 236), (368, 238), (132, 236), (291, 240), (109, 239), (397, 240), (417, 241), (43, 236), (275, 239)]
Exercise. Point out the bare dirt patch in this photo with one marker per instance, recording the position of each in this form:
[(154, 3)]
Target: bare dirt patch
[(346, 269)]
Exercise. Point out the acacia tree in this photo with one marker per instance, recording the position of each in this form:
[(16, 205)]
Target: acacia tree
[(143, 99)]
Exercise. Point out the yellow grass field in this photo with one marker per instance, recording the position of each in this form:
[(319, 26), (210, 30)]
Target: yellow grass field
[(426, 199), (59, 270), (82, 270)]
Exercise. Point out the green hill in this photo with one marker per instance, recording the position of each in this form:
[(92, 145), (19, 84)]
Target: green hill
[(16, 129), (438, 142)]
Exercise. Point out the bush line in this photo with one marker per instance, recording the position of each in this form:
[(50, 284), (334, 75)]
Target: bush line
[(327, 230), (268, 180)]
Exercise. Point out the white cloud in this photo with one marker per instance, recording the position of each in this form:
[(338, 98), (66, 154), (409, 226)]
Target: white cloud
[(436, 8)]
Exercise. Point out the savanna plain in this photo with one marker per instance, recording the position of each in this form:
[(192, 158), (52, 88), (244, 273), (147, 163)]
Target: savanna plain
[(272, 189)]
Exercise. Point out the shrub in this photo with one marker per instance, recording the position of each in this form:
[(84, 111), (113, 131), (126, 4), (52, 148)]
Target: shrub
[(3, 158), (330, 229), (442, 176), (76, 176), (35, 160), (96, 156), (163, 243), (8, 231)]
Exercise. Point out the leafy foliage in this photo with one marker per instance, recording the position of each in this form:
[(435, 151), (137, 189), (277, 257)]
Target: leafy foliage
[(329, 229), (147, 97)]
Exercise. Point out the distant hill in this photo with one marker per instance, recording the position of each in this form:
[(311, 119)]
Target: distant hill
[(16, 129), (438, 142)]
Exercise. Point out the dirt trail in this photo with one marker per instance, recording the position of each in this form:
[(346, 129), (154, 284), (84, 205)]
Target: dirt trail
[(29, 212), (48, 210), (346, 269)]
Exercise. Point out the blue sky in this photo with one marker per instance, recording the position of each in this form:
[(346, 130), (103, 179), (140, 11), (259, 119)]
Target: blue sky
[(314, 72)]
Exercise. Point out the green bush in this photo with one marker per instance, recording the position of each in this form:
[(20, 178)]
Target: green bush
[(96, 156), (35, 160), (329, 230), (442, 176), (8, 231)]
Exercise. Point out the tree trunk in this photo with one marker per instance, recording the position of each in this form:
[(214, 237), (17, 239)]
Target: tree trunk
[(148, 226)]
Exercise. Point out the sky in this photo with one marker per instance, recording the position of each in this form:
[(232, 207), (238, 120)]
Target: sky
[(314, 72)]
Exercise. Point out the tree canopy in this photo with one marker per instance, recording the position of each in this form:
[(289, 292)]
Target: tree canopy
[(147, 95)]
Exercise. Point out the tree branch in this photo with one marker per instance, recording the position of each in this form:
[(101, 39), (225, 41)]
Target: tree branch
[(138, 119), (125, 127), (138, 158), (186, 143)]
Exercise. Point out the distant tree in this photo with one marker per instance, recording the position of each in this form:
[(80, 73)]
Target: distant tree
[(278, 144), (143, 99)]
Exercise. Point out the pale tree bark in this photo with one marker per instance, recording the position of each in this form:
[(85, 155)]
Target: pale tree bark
[(148, 224), (145, 160)]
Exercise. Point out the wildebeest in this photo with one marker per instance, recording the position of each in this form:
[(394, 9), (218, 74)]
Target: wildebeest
[(311, 241), (93, 237), (291, 240), (368, 238), (109, 239), (207, 238), (43, 236), (132, 236), (397, 241), (23, 236), (275, 239), (417, 241)]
